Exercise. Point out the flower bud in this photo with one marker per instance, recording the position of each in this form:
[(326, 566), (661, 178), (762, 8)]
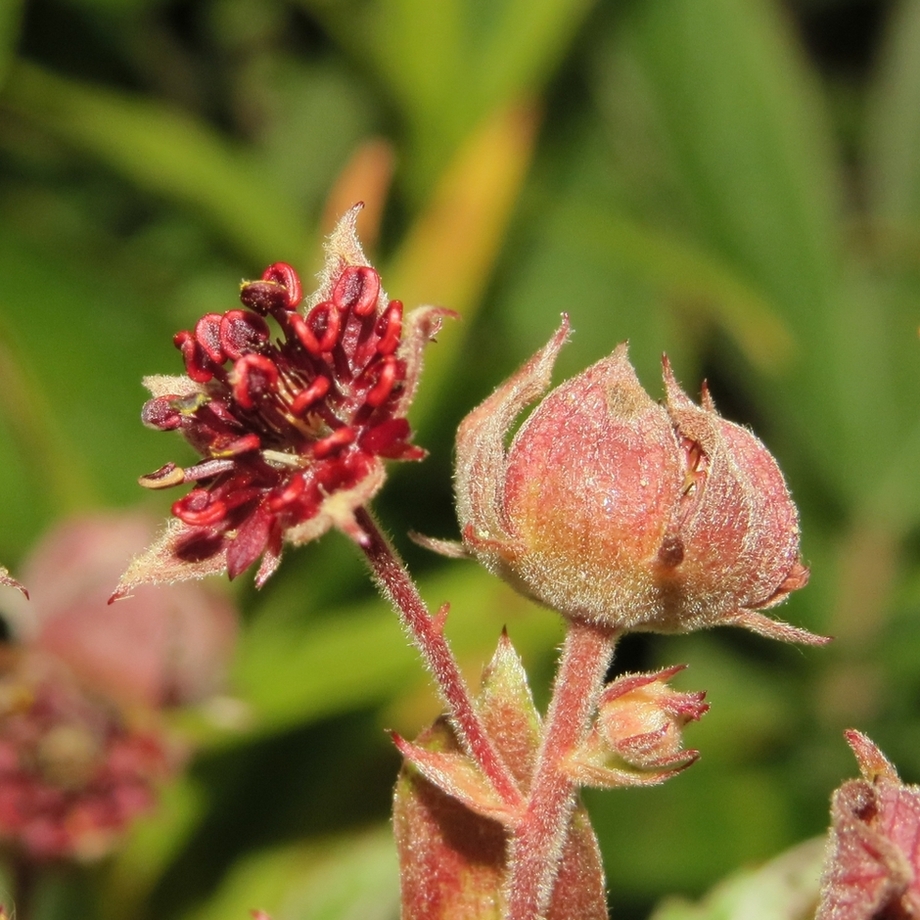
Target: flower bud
[(618, 510), (637, 736)]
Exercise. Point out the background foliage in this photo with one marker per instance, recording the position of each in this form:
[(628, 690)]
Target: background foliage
[(734, 181)]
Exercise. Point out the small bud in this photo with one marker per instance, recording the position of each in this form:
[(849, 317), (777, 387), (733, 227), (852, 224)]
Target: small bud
[(637, 736), (617, 510)]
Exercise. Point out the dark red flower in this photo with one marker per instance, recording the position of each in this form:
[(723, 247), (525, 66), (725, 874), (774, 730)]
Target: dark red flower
[(293, 426)]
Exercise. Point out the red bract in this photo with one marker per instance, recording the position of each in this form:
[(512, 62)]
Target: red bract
[(617, 510), (293, 428)]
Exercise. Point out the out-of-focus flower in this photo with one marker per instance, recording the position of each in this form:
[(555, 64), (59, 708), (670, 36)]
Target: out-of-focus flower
[(637, 736), (153, 649), (872, 867), (73, 772), (82, 748), (614, 509), (293, 430)]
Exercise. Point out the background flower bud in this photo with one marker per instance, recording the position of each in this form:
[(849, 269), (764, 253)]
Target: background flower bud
[(615, 509)]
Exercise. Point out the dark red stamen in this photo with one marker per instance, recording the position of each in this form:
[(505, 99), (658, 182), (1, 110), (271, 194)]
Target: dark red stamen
[(325, 323), (341, 438), (307, 397), (199, 509), (290, 493), (240, 332), (197, 363), (254, 377), (282, 273), (357, 290), (207, 334), (161, 414), (389, 328), (378, 394)]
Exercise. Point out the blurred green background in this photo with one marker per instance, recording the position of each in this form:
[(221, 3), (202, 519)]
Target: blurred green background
[(736, 182)]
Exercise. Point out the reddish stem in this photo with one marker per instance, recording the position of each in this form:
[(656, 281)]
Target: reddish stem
[(428, 634), (536, 847)]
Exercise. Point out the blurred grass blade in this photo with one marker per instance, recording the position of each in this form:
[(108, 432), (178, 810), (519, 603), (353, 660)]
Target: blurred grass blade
[(61, 476), (292, 674), (165, 152), (451, 64), (786, 888), (450, 251), (750, 141), (152, 846), (352, 878), (10, 21), (691, 274), (893, 128)]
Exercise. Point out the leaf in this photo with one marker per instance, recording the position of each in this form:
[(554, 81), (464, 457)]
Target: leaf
[(893, 125), (345, 877), (785, 888), (294, 673), (165, 152), (10, 22)]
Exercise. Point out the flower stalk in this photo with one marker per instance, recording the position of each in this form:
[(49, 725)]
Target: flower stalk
[(539, 839), (427, 632)]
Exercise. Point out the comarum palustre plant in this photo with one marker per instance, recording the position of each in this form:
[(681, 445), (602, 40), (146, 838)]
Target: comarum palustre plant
[(621, 513)]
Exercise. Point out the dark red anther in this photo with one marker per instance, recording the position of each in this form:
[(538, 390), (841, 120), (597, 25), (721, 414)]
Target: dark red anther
[(198, 510), (207, 334), (326, 324), (282, 273), (282, 498), (241, 332), (254, 376), (357, 290), (342, 437), (306, 397), (381, 390), (389, 328), (304, 334), (197, 364), (243, 445), (160, 413), (165, 477), (264, 297)]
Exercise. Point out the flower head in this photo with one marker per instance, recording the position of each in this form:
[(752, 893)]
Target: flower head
[(618, 510), (292, 428)]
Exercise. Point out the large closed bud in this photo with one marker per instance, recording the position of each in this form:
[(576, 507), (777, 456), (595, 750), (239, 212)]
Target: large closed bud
[(614, 509)]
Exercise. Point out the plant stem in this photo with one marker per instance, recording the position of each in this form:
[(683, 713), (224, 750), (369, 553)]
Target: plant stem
[(427, 632), (536, 847)]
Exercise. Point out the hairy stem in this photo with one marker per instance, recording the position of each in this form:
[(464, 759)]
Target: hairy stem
[(537, 844), (427, 632)]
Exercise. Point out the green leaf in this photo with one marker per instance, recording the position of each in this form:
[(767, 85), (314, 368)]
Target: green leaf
[(10, 20), (165, 152), (786, 888), (349, 877), (451, 64), (294, 671), (893, 124)]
